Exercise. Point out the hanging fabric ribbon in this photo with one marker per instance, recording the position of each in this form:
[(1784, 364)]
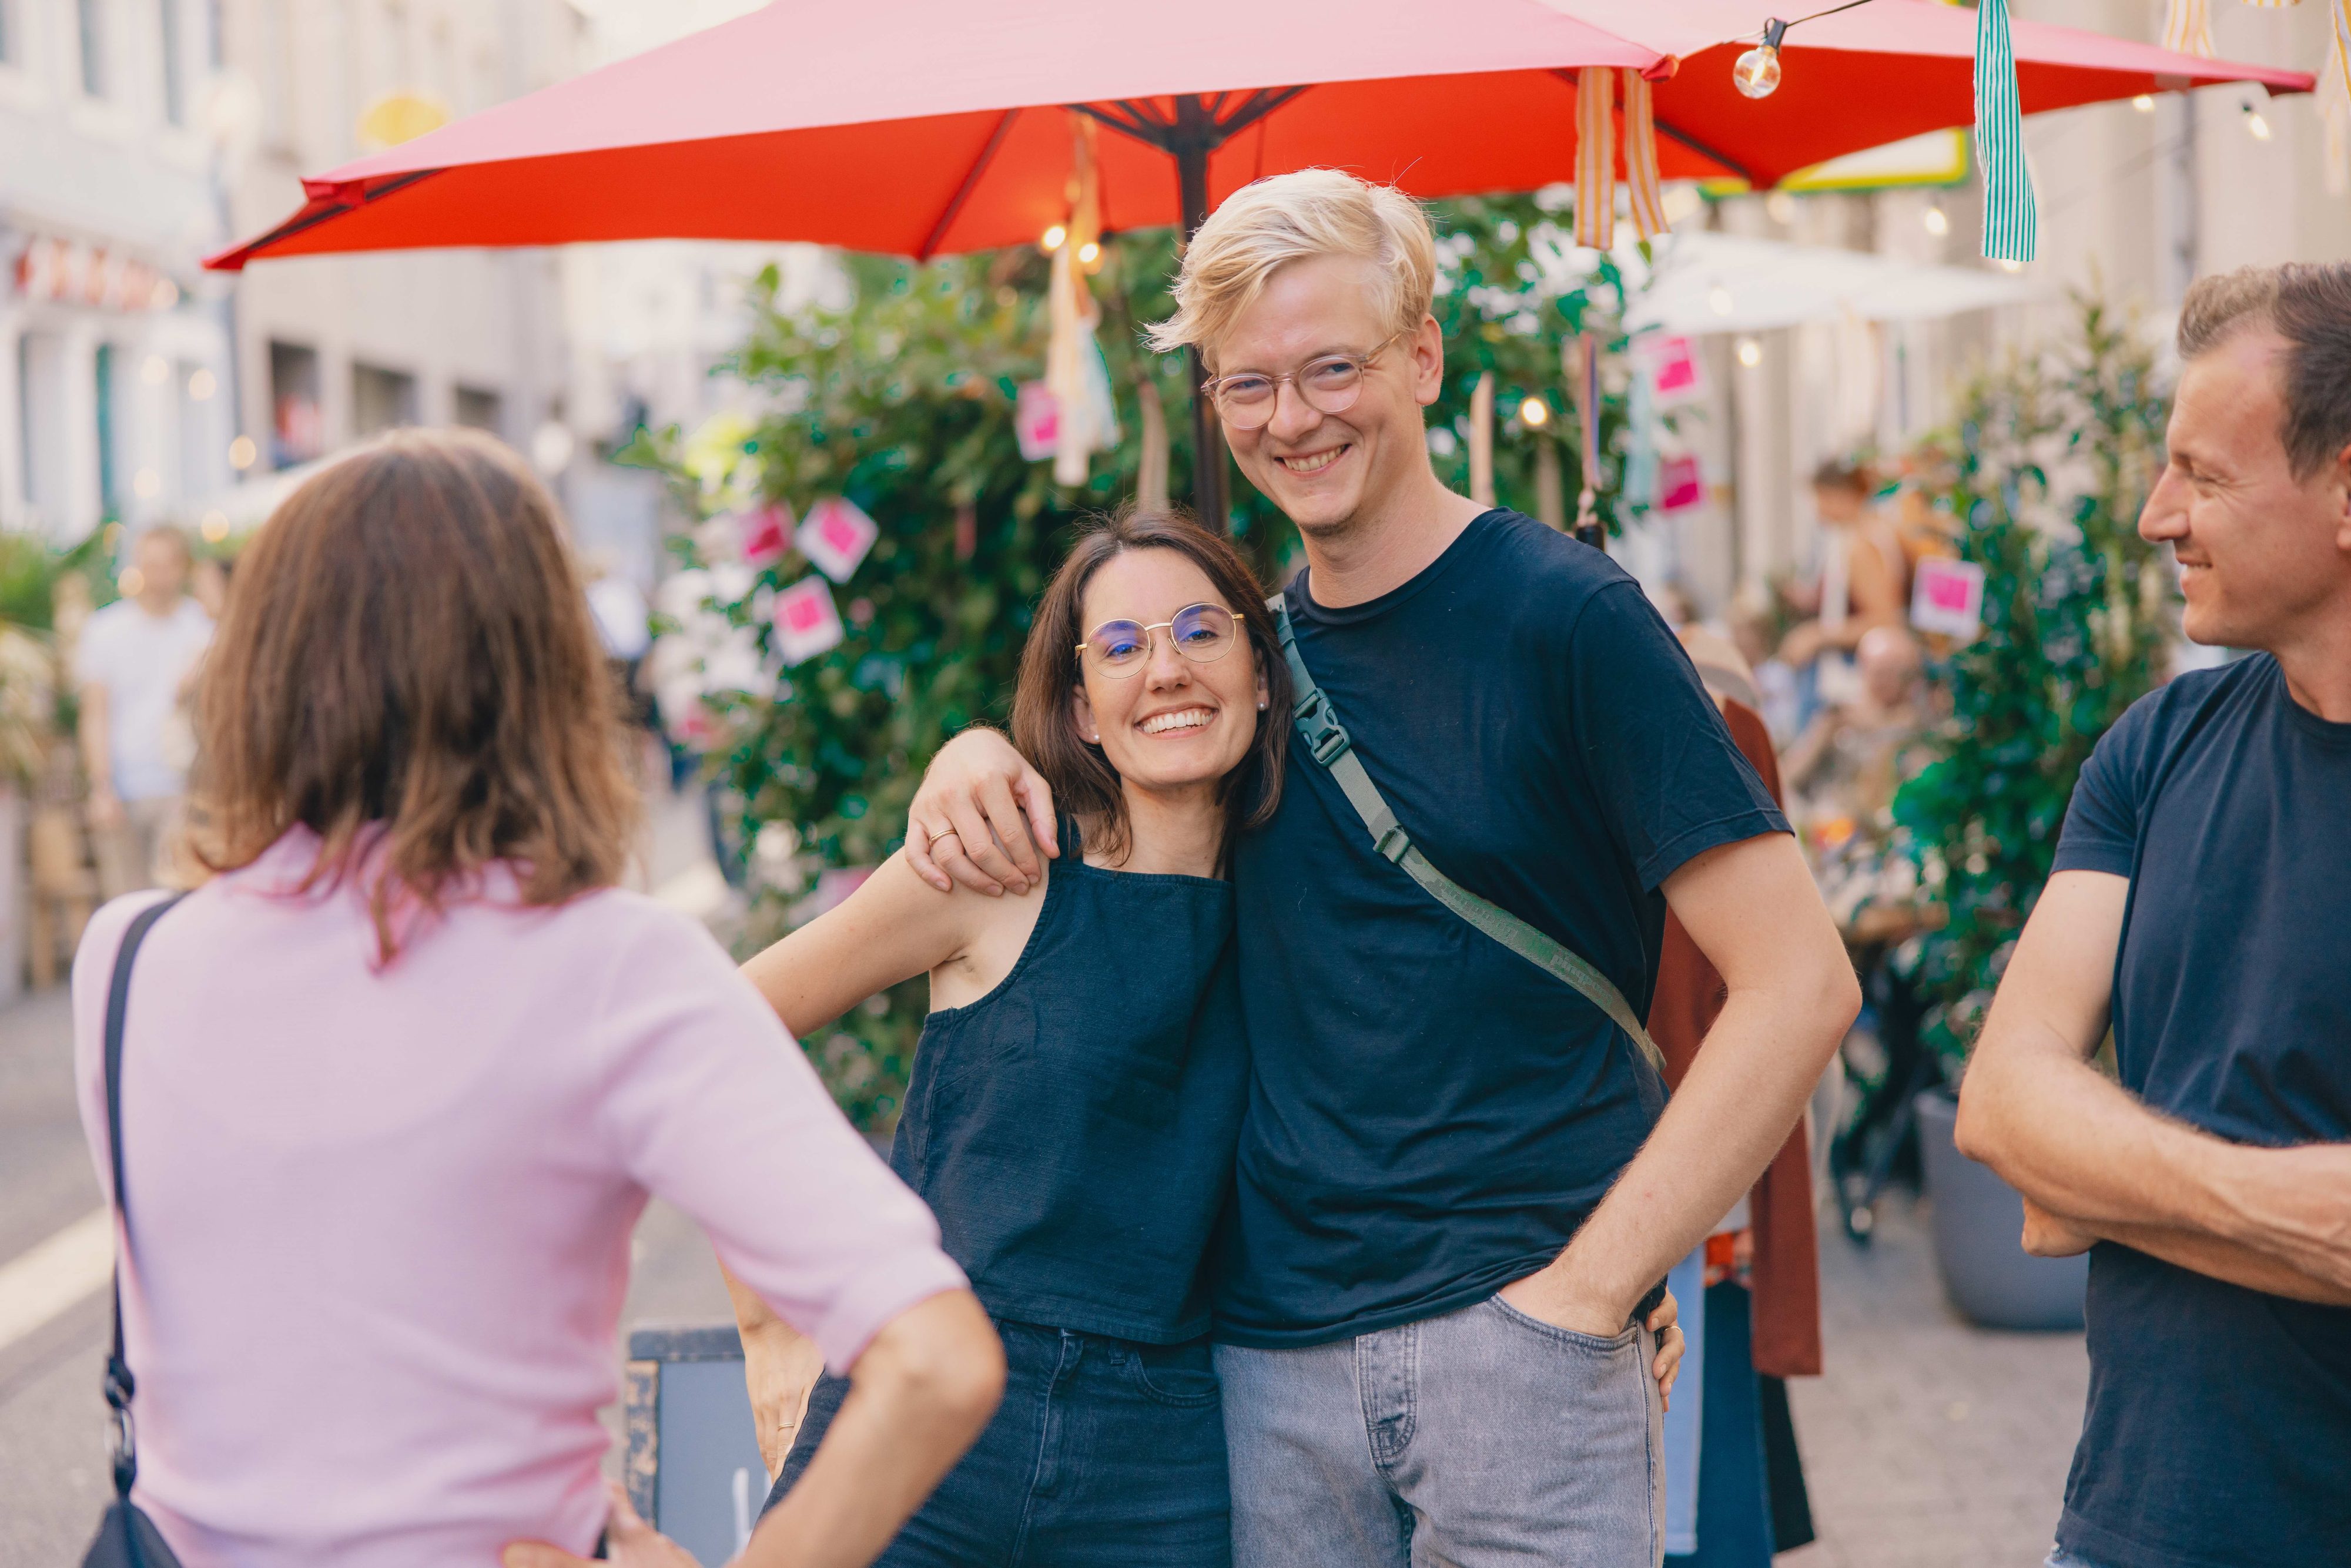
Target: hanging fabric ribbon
[(1086, 420), (2187, 28), (2009, 226), (1595, 157), (1586, 381), (1481, 440), (1641, 158), (2335, 97)]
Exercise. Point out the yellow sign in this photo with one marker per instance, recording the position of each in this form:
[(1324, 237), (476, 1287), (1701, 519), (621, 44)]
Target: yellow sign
[(401, 117)]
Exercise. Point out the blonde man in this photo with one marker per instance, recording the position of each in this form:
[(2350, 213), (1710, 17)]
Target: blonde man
[(1455, 1191)]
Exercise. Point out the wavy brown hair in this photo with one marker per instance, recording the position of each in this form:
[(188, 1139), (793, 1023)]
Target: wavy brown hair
[(1044, 723), (408, 669)]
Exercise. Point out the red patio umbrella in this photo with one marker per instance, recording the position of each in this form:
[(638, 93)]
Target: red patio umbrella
[(929, 126)]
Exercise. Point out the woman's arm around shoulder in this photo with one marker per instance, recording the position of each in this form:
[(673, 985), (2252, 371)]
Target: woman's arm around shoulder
[(891, 928)]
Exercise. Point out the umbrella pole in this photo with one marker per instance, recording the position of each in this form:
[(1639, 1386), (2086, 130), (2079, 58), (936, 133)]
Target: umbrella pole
[(1207, 437)]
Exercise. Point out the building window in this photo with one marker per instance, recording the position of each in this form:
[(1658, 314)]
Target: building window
[(479, 410), (91, 17), (381, 399), (175, 63), (298, 429)]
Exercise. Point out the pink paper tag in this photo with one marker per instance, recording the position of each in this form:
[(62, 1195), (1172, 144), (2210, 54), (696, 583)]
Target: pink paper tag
[(836, 536), (1947, 596), (1681, 483), (765, 532), (1677, 371), (1037, 421), (806, 624)]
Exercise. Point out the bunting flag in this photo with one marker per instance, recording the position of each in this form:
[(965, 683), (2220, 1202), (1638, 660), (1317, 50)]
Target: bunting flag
[(1595, 157), (1641, 158), (2010, 225), (2187, 28)]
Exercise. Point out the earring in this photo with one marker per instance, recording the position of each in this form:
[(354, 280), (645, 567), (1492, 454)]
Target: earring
[(1260, 704)]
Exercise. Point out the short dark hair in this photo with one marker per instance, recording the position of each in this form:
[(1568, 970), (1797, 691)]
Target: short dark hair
[(1841, 474), (408, 669), (2309, 305), (1044, 726)]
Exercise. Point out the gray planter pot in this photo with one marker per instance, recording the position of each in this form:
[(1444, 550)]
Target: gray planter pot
[(1978, 1220)]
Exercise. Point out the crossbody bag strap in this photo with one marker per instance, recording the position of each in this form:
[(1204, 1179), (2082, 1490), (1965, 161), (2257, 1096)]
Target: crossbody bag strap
[(1327, 742), (119, 1384)]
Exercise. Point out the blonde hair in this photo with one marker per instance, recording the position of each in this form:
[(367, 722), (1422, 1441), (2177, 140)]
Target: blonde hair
[(1290, 217)]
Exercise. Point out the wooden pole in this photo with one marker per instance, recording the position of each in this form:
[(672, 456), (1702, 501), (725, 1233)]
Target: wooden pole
[(1194, 133)]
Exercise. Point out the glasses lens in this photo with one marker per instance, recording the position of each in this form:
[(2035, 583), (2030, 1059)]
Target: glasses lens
[(1119, 647), (1202, 632), (1331, 384), (1246, 401)]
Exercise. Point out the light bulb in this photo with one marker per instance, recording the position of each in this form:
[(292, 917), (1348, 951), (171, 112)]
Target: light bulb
[(202, 385), (1717, 299), (2009, 263), (2144, 103), (1938, 223), (1053, 237), (242, 453), (1757, 74), (1089, 253), (1780, 207), (216, 527), (2255, 123), (1534, 413), (1750, 352)]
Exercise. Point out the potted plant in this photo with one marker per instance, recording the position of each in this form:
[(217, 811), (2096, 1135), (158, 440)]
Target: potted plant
[(2054, 454)]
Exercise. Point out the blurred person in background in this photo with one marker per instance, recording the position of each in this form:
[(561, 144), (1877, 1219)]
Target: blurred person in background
[(1865, 583), (1847, 765), (131, 667), (2201, 908), (397, 1081)]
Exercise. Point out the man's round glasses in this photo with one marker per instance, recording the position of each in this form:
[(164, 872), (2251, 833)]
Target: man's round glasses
[(1330, 385), (1201, 632)]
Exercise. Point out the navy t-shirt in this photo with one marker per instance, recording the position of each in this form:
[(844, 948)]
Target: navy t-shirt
[(2218, 1430), (1432, 1115)]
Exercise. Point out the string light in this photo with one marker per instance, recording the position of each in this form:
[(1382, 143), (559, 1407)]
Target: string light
[(2009, 265), (1053, 238), (1534, 413), (1938, 223), (243, 453), (2144, 103), (1757, 72), (1089, 253), (202, 385), (2256, 123), (1750, 352)]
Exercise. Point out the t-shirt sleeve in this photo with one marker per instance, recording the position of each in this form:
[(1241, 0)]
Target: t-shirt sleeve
[(2101, 832), (1670, 780), (713, 1108)]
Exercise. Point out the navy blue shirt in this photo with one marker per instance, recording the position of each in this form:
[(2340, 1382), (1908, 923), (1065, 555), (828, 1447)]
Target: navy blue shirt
[(2218, 1429), (1432, 1115)]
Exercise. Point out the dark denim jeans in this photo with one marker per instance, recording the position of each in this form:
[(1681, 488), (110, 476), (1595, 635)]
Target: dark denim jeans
[(1104, 1454)]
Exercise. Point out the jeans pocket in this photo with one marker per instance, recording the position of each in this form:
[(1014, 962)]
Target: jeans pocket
[(1182, 1375), (1574, 1339)]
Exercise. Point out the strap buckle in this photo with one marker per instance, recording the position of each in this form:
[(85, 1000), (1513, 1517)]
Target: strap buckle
[(1394, 843), (1319, 726), (123, 1450)]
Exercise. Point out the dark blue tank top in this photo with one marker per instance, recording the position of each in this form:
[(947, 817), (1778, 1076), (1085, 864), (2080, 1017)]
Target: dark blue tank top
[(1073, 1130)]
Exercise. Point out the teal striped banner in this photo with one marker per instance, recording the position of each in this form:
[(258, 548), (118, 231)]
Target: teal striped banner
[(2010, 225)]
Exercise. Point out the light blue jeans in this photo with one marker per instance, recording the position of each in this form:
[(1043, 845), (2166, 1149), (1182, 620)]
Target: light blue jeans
[(1480, 1438)]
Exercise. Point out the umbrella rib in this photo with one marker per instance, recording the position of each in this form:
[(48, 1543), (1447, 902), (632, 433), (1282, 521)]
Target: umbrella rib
[(938, 234), (1702, 150), (1258, 105), (1148, 133), (302, 222)]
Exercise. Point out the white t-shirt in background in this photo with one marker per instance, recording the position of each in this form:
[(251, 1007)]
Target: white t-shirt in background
[(141, 659)]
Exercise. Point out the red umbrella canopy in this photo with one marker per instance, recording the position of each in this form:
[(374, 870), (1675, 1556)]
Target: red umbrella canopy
[(939, 125)]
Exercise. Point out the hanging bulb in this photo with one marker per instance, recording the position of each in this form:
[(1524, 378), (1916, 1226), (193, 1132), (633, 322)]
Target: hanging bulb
[(1750, 352), (2144, 103), (2256, 123), (1089, 253), (1938, 223), (1053, 237), (1534, 413), (1757, 74)]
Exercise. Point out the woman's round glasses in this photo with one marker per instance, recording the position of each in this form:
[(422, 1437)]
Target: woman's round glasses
[(1201, 632), (1245, 399)]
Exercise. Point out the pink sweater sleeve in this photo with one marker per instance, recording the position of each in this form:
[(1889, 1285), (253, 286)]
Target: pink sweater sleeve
[(711, 1106)]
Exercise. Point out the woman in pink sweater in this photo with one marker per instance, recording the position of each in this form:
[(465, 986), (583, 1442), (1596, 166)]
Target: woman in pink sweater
[(398, 1080)]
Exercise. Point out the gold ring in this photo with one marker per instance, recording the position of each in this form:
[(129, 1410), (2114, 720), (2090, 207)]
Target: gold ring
[(942, 833)]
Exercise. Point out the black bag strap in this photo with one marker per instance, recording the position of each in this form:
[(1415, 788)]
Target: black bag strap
[(119, 1384)]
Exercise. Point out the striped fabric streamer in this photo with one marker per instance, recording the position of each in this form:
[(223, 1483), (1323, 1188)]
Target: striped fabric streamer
[(1595, 157), (2187, 28), (1641, 158), (2010, 224)]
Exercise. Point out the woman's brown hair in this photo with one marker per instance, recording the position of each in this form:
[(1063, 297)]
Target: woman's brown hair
[(408, 669), (1044, 723)]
